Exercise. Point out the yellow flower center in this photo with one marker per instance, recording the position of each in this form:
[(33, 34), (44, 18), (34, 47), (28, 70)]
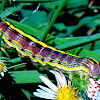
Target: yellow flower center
[(1, 66), (66, 93)]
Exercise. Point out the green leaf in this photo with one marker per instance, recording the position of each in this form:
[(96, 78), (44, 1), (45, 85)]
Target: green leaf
[(4, 58), (97, 51), (77, 9), (36, 19), (27, 29), (60, 26), (77, 3), (23, 77), (88, 21), (60, 41), (84, 53), (1, 96), (12, 9), (5, 52), (28, 95), (94, 23), (18, 66), (31, 1), (13, 61), (78, 42), (51, 5)]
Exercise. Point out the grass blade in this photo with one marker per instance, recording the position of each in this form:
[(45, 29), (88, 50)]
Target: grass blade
[(23, 77), (53, 19), (77, 42)]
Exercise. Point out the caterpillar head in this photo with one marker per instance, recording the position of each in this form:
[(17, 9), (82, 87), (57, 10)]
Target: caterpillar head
[(94, 70)]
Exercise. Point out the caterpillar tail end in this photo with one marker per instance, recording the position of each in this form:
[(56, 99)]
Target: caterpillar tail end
[(94, 70)]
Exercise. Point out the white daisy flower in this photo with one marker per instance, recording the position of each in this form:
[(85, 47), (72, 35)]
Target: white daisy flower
[(3, 68), (62, 91)]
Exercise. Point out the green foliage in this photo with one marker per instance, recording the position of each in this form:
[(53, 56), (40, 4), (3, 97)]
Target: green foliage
[(70, 26), (23, 77)]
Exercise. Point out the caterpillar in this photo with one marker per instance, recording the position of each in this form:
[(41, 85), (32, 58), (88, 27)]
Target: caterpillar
[(38, 51)]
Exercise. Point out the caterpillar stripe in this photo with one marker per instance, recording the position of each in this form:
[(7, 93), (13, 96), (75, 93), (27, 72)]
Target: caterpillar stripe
[(40, 52)]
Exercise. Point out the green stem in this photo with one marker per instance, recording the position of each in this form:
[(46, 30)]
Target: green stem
[(54, 18)]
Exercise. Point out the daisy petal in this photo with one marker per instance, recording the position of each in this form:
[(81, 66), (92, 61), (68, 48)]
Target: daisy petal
[(61, 80), (58, 83), (44, 93), (42, 96), (49, 83), (47, 90), (2, 74)]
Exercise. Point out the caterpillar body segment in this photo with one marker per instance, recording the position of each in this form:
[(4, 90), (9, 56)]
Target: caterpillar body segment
[(40, 52)]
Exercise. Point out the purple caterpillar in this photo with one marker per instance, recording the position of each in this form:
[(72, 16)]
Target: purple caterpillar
[(40, 52)]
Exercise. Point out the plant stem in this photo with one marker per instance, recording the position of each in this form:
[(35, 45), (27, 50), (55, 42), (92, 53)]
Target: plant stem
[(53, 19)]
